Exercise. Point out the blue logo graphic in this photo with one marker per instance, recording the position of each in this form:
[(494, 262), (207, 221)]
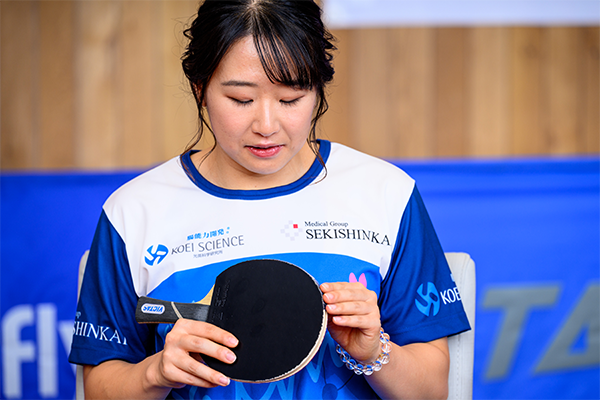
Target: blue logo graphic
[(430, 298), (155, 257)]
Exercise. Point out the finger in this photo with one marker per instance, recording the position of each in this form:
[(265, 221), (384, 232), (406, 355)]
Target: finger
[(200, 374), (203, 346), (330, 287), (352, 308), (346, 292), (365, 323), (193, 337), (333, 286), (208, 331), (200, 337), (187, 370)]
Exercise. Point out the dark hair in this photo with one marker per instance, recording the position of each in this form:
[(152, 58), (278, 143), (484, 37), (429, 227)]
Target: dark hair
[(293, 45)]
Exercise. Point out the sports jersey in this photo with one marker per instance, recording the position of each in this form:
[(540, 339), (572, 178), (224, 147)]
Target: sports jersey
[(169, 232)]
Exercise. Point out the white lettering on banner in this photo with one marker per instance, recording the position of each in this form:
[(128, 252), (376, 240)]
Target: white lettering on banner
[(518, 302), (42, 351), (14, 351), (47, 350), (65, 330), (584, 319)]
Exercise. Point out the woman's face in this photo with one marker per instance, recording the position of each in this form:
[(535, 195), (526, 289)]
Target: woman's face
[(260, 127)]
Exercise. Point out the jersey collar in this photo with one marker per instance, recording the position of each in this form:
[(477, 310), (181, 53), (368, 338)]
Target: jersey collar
[(313, 173)]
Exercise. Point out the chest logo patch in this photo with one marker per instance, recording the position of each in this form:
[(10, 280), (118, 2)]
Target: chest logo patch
[(156, 254)]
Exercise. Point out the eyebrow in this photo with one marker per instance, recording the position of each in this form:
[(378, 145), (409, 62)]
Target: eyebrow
[(238, 83)]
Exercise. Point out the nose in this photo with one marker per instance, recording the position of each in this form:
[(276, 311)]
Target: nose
[(266, 120)]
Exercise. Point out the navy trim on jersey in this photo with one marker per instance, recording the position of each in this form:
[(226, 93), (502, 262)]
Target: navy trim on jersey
[(313, 172)]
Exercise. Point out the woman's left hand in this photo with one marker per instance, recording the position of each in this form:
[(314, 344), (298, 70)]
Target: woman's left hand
[(354, 319)]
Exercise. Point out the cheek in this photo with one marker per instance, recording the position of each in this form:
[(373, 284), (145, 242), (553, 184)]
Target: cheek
[(225, 122), (300, 122)]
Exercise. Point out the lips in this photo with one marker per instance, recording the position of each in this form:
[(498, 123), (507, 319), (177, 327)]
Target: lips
[(265, 151)]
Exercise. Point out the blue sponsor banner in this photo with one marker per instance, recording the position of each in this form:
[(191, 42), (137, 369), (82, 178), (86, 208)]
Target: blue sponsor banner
[(47, 222), (532, 227)]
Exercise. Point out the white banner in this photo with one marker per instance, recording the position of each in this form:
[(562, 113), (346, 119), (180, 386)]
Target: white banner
[(343, 14)]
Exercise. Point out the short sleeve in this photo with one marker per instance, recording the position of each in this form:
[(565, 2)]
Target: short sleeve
[(419, 300), (105, 326)]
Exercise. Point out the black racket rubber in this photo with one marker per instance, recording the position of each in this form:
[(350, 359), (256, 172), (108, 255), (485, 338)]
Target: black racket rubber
[(274, 308)]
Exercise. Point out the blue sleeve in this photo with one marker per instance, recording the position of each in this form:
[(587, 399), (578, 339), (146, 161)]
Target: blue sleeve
[(419, 301), (105, 326)]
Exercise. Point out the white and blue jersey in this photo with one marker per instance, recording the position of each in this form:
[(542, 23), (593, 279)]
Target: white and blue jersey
[(169, 232)]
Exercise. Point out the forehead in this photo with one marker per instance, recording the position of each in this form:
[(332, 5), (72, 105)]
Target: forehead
[(241, 61), (263, 59)]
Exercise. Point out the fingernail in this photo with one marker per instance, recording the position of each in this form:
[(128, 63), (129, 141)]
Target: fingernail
[(232, 341), (230, 356), (324, 286), (331, 307), (224, 381), (328, 296)]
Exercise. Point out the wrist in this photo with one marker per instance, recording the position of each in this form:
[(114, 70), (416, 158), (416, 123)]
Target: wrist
[(150, 379), (368, 368)]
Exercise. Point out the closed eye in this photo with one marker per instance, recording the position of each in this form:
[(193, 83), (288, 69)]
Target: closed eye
[(290, 102), (241, 102)]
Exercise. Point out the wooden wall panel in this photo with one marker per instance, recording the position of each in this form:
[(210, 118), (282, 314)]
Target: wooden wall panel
[(488, 72), (19, 23), (336, 124), (136, 83), (484, 91), (561, 83), (370, 119), (98, 84), (413, 96), (96, 109), (179, 122), (56, 73), (591, 83), (526, 66), (450, 136), (93, 84)]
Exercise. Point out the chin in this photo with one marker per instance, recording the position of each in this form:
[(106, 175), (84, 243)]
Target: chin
[(265, 169), (265, 172)]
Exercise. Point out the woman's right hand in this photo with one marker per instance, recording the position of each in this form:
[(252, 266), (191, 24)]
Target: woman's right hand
[(180, 362)]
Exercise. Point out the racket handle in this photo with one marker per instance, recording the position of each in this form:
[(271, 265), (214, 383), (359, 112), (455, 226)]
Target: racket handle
[(154, 311)]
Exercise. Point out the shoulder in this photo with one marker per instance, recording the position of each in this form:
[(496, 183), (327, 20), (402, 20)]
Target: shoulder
[(154, 186), (367, 170)]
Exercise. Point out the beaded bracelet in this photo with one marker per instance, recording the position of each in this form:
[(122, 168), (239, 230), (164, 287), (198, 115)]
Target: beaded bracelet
[(358, 368)]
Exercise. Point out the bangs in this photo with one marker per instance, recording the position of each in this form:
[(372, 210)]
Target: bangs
[(286, 59)]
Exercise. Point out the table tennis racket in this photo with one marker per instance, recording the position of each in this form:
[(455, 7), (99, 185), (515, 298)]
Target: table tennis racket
[(274, 308)]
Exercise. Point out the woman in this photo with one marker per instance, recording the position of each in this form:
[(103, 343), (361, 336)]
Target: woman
[(267, 189)]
